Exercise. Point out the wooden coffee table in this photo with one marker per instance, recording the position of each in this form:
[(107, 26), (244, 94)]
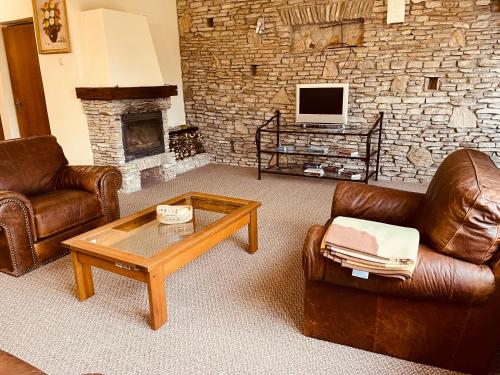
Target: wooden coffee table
[(141, 248)]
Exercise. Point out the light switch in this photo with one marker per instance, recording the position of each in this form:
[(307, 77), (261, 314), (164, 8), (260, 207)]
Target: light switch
[(396, 11)]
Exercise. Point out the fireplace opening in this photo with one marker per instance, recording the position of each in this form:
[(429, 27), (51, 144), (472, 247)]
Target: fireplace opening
[(143, 134)]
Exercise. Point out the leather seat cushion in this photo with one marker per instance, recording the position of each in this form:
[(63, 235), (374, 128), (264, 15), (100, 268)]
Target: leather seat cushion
[(60, 210), (460, 216), (437, 276)]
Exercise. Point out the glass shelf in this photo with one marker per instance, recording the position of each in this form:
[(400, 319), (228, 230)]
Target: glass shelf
[(299, 129), (302, 150), (296, 171)]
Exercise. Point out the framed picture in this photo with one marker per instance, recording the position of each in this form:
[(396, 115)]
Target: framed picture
[(51, 26)]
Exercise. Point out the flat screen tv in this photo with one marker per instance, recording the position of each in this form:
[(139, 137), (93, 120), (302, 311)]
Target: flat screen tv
[(324, 103)]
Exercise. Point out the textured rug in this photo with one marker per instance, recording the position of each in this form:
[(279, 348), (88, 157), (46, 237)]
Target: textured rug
[(229, 312)]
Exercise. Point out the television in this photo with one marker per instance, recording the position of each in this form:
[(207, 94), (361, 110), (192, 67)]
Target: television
[(323, 103)]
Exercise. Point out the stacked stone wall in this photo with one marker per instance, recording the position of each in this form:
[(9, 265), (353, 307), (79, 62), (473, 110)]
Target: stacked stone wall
[(235, 78)]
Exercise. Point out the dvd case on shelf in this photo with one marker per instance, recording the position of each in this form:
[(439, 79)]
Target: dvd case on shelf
[(318, 149), (314, 172), (348, 152)]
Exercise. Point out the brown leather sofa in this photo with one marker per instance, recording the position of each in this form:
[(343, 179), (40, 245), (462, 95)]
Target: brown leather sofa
[(43, 201), (447, 314)]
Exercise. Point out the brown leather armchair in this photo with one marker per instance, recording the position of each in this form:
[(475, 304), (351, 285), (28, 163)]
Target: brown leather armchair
[(447, 314), (43, 201)]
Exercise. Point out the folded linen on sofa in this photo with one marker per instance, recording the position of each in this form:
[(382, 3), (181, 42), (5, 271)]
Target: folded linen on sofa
[(382, 249)]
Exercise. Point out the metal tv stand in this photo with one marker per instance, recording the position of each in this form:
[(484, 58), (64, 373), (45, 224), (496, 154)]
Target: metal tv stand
[(368, 148)]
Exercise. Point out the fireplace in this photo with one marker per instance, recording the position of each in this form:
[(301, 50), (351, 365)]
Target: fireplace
[(143, 135), (128, 128)]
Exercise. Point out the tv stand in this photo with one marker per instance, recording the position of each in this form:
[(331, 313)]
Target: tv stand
[(368, 149)]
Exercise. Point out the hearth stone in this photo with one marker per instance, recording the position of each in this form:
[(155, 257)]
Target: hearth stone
[(171, 171), (132, 170)]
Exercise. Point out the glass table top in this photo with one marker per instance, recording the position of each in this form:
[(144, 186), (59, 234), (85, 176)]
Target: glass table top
[(145, 236)]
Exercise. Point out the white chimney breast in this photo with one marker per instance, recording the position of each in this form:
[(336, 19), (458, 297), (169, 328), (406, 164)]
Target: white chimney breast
[(118, 50)]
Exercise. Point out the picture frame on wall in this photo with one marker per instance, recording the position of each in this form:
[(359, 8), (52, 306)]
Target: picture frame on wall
[(51, 26)]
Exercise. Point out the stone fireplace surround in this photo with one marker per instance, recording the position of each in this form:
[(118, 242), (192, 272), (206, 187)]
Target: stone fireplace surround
[(104, 108)]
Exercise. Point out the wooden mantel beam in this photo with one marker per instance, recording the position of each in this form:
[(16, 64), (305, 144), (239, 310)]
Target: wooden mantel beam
[(117, 93)]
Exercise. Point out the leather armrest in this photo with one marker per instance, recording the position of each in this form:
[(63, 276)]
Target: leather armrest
[(102, 181), (312, 261), (18, 234), (16, 196), (21, 200), (86, 178), (436, 277), (376, 203)]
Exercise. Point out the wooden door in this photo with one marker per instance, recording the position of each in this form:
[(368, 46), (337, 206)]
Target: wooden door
[(26, 79)]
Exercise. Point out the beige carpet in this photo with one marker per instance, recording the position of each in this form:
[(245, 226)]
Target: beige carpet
[(230, 312)]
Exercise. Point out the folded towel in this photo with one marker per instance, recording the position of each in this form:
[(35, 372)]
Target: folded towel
[(379, 248)]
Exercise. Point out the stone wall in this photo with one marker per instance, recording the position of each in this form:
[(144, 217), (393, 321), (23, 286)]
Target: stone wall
[(235, 78)]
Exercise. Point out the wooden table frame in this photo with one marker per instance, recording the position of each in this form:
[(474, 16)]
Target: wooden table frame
[(85, 254)]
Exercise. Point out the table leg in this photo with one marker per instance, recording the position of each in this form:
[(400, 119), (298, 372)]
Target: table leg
[(253, 241), (83, 278), (157, 298)]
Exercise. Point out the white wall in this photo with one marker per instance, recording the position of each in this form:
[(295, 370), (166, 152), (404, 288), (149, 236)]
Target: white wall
[(61, 73), (109, 37), (12, 10)]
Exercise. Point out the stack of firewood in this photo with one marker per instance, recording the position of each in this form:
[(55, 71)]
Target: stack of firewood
[(186, 142)]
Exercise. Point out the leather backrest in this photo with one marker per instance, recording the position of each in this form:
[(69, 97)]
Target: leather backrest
[(30, 165), (460, 216)]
